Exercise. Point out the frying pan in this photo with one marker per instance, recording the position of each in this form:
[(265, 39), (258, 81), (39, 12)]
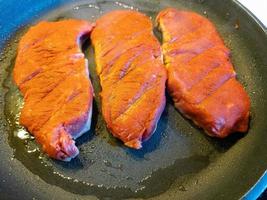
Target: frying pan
[(178, 162)]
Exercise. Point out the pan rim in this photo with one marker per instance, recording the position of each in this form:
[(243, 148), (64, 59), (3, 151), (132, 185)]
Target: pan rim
[(261, 185), (254, 190)]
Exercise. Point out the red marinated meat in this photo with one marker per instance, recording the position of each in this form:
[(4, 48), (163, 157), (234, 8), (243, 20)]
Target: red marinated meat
[(201, 78), (52, 75), (132, 75)]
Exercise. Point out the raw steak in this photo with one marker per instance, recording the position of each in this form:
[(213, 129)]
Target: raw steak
[(52, 75), (201, 78), (132, 75)]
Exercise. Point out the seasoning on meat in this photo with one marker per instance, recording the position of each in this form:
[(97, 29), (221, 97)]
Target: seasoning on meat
[(52, 75), (132, 75), (201, 78)]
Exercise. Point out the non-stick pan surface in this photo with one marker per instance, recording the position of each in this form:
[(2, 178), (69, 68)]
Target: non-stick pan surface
[(178, 162)]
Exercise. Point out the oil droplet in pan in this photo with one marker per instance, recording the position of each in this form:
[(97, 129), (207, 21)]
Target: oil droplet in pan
[(237, 25), (124, 5), (107, 163), (23, 134), (182, 188)]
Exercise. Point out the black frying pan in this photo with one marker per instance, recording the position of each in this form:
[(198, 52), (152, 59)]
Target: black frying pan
[(178, 162)]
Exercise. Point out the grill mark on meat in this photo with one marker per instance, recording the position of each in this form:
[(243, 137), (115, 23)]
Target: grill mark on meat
[(36, 42), (125, 71), (43, 62), (73, 95), (129, 43), (126, 50), (48, 53), (193, 54), (202, 75), (122, 42), (205, 71), (220, 82), (181, 37), (217, 88), (205, 51), (61, 102), (130, 69), (143, 86), (146, 136), (135, 101), (33, 74), (199, 34), (200, 41), (59, 81), (52, 52), (138, 96), (108, 65), (130, 38), (129, 65)]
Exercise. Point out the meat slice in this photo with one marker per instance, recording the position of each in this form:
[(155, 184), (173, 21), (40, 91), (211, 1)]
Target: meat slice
[(52, 75), (201, 78), (132, 75)]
